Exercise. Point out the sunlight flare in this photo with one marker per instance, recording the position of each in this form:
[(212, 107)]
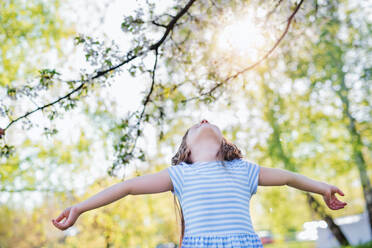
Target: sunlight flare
[(241, 37)]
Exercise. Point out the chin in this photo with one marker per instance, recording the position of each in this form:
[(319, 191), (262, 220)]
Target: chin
[(207, 128)]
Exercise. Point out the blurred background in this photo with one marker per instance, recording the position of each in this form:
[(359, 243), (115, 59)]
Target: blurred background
[(288, 82)]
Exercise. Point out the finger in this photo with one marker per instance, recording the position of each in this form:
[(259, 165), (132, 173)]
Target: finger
[(58, 225), (337, 200), (332, 207), (339, 205), (333, 199), (340, 192), (62, 226), (60, 217), (336, 206), (340, 202), (344, 204), (334, 202)]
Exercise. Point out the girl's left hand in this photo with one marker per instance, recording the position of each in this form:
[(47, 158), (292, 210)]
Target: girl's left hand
[(69, 215), (330, 199)]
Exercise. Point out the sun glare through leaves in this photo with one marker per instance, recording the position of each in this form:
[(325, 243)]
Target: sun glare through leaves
[(243, 39)]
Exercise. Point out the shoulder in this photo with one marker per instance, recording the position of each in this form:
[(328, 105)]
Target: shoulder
[(249, 162), (239, 162), (179, 168), (184, 166), (246, 163), (235, 163)]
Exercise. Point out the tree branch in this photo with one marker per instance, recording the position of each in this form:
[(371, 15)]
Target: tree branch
[(146, 101), (289, 20), (155, 46), (158, 24), (272, 11), (171, 24)]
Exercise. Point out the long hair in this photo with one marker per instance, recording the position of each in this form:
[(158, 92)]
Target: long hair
[(228, 151)]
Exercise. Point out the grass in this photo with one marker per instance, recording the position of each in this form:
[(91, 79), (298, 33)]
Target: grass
[(293, 244), (311, 244), (365, 245)]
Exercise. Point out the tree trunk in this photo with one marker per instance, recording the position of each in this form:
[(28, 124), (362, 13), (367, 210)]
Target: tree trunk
[(357, 146), (289, 165)]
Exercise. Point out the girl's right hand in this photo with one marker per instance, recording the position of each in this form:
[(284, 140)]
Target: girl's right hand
[(330, 198), (69, 215)]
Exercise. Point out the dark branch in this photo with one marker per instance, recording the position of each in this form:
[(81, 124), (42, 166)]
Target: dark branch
[(158, 24), (151, 88), (45, 106), (171, 24)]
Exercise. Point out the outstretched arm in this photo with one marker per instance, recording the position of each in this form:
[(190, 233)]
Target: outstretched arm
[(278, 177), (146, 184)]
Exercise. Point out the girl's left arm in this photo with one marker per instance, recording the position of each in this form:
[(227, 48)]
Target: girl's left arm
[(277, 177)]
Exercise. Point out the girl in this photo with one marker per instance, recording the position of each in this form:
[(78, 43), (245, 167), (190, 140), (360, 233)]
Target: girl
[(213, 185)]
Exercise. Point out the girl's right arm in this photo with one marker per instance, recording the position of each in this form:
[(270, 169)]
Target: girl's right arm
[(146, 184), (277, 177)]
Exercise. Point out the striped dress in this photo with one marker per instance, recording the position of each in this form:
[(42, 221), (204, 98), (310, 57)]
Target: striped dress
[(215, 202)]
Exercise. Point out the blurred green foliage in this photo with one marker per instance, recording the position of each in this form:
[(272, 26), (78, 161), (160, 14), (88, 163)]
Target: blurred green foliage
[(294, 117), (28, 30)]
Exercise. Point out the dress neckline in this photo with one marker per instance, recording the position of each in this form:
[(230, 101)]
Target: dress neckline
[(217, 162), (206, 162)]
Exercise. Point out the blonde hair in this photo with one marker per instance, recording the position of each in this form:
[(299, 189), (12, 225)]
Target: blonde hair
[(228, 151)]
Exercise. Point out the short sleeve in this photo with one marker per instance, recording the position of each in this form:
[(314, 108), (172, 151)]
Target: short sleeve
[(253, 173), (176, 175)]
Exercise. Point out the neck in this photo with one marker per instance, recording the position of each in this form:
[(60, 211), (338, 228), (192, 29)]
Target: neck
[(205, 151), (209, 156)]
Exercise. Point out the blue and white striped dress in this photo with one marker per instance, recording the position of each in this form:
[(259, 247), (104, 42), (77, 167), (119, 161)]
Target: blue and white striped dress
[(215, 202)]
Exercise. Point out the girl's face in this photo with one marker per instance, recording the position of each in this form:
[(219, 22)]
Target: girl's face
[(204, 133)]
